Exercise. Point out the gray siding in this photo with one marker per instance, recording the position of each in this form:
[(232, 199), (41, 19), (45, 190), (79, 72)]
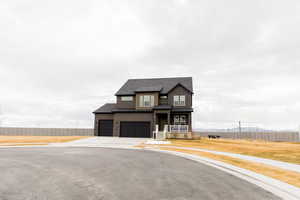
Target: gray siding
[(181, 91), (99, 117), (142, 117), (125, 104), (156, 99)]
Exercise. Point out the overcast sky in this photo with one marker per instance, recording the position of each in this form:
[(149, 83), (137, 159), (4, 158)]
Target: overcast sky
[(62, 59)]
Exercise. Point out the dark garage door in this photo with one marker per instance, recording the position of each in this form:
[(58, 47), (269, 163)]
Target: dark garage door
[(105, 128), (135, 129)]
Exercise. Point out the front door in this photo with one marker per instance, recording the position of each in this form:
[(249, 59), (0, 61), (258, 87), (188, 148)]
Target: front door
[(162, 121)]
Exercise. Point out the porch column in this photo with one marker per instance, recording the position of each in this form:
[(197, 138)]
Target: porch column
[(169, 118), (154, 119), (190, 122)]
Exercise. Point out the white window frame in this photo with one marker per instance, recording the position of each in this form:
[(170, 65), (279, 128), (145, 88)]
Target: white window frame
[(180, 120), (146, 101), (127, 98), (179, 100)]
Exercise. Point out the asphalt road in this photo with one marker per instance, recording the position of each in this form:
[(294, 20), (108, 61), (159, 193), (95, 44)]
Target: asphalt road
[(100, 174)]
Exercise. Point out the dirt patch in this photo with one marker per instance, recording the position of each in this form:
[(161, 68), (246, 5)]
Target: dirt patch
[(21, 140), (282, 151), (289, 177)]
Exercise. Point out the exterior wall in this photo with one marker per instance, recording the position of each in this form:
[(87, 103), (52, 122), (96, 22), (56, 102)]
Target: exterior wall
[(99, 117), (156, 99), (163, 102), (180, 91), (142, 117), (125, 104)]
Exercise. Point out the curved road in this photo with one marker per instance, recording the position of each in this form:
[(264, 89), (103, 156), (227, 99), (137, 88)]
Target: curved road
[(100, 174)]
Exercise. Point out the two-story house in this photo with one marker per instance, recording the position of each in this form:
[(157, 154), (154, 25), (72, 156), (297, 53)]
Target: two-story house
[(144, 103)]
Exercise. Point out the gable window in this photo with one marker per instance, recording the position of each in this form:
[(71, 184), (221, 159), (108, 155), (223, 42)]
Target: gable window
[(179, 100), (146, 101), (126, 98)]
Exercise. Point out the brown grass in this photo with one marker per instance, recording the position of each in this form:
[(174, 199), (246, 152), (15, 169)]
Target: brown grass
[(37, 139), (289, 177), (283, 151)]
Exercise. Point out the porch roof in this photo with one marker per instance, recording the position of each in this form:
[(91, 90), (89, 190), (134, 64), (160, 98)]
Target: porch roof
[(182, 109), (162, 107)]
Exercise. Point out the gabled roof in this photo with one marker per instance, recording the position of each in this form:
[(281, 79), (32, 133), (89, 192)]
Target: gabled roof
[(164, 85)]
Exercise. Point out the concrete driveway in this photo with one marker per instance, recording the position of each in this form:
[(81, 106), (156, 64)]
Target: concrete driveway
[(111, 142), (102, 173)]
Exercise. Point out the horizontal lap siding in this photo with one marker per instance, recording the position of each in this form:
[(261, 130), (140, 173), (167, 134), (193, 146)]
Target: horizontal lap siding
[(131, 117), (101, 117)]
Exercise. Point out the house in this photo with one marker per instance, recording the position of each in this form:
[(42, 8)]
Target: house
[(144, 103)]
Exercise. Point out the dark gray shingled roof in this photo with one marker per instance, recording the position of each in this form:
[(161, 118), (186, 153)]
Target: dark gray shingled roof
[(166, 84), (149, 89), (111, 108), (106, 108)]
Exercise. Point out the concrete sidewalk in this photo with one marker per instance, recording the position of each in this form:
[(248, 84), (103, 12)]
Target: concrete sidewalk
[(274, 163), (110, 142), (279, 188)]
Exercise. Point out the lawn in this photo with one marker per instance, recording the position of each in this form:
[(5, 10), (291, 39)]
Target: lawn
[(287, 176), (4, 140), (282, 151)]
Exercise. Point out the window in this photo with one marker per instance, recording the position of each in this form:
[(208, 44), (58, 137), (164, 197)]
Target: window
[(146, 101), (179, 100), (126, 98), (164, 97), (179, 119)]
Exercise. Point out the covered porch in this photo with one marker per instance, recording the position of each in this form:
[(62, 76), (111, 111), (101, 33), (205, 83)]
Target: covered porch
[(172, 122)]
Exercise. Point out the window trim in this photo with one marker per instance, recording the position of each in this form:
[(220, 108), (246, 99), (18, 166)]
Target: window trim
[(181, 100), (126, 98), (180, 119), (142, 101)]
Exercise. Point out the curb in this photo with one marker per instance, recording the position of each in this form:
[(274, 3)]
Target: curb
[(274, 163), (278, 188)]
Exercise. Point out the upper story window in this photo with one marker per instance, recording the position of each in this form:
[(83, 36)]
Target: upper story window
[(146, 101), (164, 97), (126, 98), (179, 100)]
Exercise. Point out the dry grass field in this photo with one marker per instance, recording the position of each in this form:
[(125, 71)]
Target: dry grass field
[(22, 140), (290, 177), (283, 151)]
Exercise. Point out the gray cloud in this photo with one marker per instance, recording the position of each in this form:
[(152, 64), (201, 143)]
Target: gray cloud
[(60, 60)]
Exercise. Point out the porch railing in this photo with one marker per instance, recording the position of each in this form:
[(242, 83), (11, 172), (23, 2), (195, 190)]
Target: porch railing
[(179, 128)]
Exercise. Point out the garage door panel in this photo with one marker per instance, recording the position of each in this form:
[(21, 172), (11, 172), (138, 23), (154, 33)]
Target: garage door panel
[(135, 129), (105, 128)]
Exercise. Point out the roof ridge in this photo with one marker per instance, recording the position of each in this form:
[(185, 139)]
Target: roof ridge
[(159, 78)]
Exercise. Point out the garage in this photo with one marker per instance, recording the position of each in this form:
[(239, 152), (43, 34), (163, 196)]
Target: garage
[(135, 129), (105, 128)]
